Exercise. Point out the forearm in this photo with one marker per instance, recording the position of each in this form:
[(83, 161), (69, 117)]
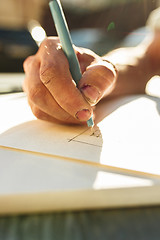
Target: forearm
[(135, 68)]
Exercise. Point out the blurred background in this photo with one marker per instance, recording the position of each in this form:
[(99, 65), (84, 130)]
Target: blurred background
[(100, 25)]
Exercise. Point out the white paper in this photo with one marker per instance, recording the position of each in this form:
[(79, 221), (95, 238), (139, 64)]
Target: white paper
[(128, 138)]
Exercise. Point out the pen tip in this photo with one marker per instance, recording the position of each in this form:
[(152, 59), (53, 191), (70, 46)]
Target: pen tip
[(90, 122)]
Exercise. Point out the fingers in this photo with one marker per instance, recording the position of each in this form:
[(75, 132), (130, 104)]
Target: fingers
[(42, 103), (50, 89), (56, 77), (97, 81), (85, 57), (52, 93), (46, 117)]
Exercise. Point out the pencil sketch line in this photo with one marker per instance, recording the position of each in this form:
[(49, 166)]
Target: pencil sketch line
[(87, 143), (69, 140)]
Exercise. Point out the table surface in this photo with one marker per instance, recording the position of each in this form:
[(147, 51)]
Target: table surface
[(121, 224)]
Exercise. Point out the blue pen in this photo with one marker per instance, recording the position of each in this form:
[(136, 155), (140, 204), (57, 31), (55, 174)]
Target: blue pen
[(66, 42)]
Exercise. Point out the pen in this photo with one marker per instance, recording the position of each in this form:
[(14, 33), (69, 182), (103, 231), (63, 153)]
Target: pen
[(66, 42)]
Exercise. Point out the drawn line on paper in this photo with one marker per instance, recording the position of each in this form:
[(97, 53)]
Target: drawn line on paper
[(92, 144), (69, 140), (96, 133)]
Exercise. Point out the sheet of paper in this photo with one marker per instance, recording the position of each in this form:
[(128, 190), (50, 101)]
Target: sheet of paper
[(128, 136), (20, 129), (34, 183), (45, 166), (132, 135)]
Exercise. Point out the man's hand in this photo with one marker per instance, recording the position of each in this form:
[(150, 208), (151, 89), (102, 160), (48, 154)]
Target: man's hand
[(53, 95)]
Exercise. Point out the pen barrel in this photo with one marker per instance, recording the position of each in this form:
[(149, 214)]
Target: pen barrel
[(65, 39), (66, 42)]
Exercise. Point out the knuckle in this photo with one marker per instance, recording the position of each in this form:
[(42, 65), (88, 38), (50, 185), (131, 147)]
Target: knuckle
[(49, 41), (99, 76), (25, 63), (51, 71), (35, 94), (106, 74), (45, 41), (106, 71), (48, 44), (29, 63), (47, 73), (111, 68), (38, 113)]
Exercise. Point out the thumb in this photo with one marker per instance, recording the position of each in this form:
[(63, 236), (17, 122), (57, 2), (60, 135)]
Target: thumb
[(97, 81)]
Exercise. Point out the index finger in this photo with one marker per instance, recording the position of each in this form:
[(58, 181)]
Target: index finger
[(55, 75)]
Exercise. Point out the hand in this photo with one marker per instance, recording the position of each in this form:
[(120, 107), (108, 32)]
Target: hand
[(53, 95)]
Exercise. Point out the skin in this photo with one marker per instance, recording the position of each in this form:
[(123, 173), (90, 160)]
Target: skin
[(136, 66), (53, 96)]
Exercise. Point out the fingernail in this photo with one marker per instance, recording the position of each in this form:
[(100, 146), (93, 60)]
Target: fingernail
[(91, 93), (83, 115)]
